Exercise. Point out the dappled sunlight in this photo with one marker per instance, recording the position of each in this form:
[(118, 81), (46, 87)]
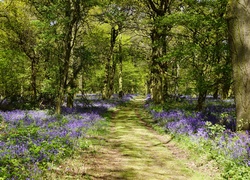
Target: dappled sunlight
[(140, 152)]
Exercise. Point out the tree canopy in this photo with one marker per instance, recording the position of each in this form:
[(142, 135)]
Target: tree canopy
[(53, 50)]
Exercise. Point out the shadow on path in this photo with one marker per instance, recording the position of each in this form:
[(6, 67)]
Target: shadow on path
[(134, 151)]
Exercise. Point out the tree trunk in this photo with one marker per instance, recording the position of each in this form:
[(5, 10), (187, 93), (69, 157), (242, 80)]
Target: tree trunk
[(33, 77), (159, 49), (227, 79), (59, 100), (120, 80), (216, 91), (71, 91), (156, 78), (70, 29), (70, 100), (120, 70), (238, 16), (201, 100), (105, 92), (156, 84), (156, 88), (110, 67), (225, 90), (112, 77)]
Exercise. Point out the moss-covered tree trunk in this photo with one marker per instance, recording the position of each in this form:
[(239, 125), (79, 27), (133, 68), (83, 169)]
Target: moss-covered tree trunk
[(156, 78), (238, 16), (159, 82)]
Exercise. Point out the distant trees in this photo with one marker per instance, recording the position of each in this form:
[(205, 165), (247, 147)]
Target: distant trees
[(49, 35), (206, 46), (50, 50), (119, 16), (20, 49), (64, 21), (189, 49)]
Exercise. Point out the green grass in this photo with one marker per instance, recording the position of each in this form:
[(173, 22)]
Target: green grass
[(128, 145)]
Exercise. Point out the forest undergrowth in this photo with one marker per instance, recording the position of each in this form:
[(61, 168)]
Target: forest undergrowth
[(210, 131), (32, 140), (129, 148), (35, 142)]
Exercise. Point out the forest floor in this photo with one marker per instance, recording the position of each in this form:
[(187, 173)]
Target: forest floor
[(132, 150)]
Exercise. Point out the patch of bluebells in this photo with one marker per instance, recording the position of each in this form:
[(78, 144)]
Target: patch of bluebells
[(216, 124), (93, 104), (222, 114), (35, 137), (29, 139), (234, 145)]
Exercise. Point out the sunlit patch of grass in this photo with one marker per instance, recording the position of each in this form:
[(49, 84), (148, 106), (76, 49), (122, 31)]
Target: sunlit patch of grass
[(141, 154), (143, 149)]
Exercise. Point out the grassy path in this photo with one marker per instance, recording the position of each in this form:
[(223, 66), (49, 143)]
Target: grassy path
[(133, 151)]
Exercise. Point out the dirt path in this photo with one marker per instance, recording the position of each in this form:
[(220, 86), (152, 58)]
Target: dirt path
[(133, 151)]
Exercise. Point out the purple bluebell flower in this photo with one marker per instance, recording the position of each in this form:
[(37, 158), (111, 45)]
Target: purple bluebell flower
[(35, 137), (194, 124)]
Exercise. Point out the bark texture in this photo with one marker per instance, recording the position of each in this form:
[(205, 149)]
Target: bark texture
[(158, 82), (238, 16)]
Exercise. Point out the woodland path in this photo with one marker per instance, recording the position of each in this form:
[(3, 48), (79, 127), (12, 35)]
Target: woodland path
[(132, 150)]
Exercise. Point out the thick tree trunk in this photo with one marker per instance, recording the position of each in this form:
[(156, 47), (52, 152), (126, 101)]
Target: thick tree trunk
[(120, 81), (156, 88), (109, 77), (156, 75), (238, 16), (158, 81), (216, 93), (112, 78), (175, 77)]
